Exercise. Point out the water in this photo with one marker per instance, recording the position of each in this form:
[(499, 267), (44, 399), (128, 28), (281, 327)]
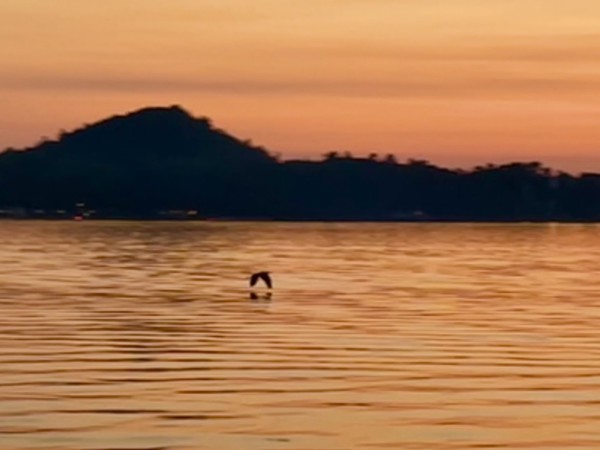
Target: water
[(378, 336)]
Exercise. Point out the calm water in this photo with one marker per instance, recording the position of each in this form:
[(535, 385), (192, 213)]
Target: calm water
[(378, 336)]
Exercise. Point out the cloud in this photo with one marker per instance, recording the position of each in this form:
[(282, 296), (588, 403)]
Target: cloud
[(584, 48), (427, 87)]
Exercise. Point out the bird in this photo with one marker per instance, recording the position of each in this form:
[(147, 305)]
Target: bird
[(261, 276)]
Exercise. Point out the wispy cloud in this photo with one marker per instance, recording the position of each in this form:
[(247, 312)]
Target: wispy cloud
[(427, 88), (584, 48)]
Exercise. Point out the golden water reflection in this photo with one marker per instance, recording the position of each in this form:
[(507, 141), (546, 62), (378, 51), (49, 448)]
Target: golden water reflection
[(377, 336)]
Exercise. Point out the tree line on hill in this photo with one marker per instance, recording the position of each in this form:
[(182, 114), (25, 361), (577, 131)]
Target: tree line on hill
[(162, 159)]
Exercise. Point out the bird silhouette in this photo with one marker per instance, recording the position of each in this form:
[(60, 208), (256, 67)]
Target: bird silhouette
[(261, 276)]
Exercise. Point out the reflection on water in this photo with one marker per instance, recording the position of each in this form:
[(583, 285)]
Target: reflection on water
[(378, 336), (266, 296)]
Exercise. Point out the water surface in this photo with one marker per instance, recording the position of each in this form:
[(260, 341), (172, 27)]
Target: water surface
[(140, 336)]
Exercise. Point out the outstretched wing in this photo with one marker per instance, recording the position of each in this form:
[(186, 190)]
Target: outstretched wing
[(254, 278), (267, 279)]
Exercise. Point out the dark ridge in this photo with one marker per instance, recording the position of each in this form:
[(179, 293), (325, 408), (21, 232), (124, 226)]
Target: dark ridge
[(163, 163), (156, 132)]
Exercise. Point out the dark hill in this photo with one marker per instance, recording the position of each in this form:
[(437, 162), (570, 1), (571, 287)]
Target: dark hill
[(157, 132), (156, 159), (151, 159)]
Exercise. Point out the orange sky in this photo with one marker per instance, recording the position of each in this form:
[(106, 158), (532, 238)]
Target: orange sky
[(458, 82)]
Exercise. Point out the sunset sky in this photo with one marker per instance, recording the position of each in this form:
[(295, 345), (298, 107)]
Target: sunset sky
[(459, 82)]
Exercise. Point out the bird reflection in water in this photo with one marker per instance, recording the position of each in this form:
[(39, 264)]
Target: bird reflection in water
[(266, 297)]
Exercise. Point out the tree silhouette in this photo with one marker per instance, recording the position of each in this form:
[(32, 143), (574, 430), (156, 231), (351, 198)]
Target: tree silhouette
[(162, 159)]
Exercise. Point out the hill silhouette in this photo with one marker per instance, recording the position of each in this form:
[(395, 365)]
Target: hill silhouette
[(162, 162), (135, 164)]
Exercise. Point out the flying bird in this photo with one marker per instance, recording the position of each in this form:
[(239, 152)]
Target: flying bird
[(261, 276)]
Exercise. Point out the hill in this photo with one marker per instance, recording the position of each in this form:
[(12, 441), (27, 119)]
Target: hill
[(162, 162), (147, 160)]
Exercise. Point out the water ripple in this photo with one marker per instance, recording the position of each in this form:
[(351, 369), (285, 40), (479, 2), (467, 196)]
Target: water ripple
[(142, 336)]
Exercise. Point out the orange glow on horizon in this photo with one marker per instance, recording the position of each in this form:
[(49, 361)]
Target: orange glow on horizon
[(459, 83)]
